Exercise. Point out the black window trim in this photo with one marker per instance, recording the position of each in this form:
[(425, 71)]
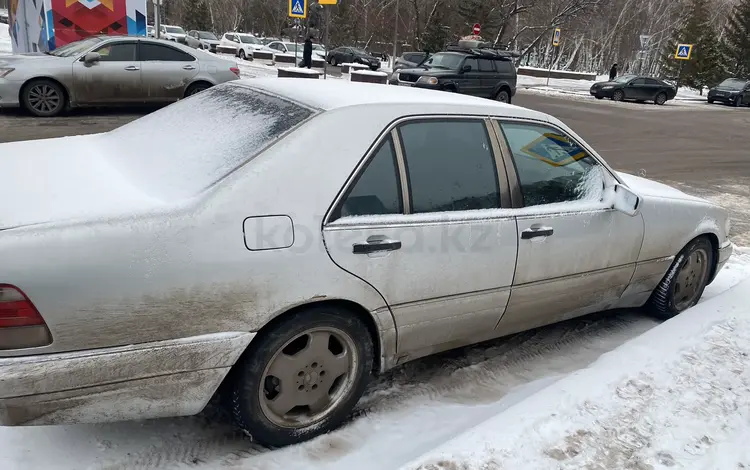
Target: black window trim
[(510, 164), (391, 131), (156, 43), (115, 42)]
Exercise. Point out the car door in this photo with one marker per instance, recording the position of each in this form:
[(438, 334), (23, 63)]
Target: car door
[(166, 71), (470, 81), (488, 76), (637, 90), (576, 255), (115, 78), (746, 95), (420, 222), (652, 88)]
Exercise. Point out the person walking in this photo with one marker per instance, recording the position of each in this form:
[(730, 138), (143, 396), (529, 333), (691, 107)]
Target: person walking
[(613, 72), (307, 53)]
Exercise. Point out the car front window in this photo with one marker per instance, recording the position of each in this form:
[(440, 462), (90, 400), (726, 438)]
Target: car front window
[(733, 84), (210, 36), (291, 47), (551, 167), (624, 78), (76, 48), (250, 40), (444, 61), (175, 30)]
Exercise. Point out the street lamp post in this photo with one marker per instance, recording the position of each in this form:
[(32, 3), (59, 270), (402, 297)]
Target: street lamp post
[(395, 37)]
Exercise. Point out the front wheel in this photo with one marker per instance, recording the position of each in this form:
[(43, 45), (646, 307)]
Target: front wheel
[(710, 101), (242, 55), (738, 102), (303, 377), (334, 62), (661, 98), (618, 95), (684, 283), (44, 98)]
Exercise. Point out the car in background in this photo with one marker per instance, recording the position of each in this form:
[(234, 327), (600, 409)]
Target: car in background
[(150, 32), (733, 91), (287, 47), (466, 69), (635, 87), (409, 60), (108, 71), (353, 55), (173, 33), (4, 18), (159, 261), (202, 40), (241, 45)]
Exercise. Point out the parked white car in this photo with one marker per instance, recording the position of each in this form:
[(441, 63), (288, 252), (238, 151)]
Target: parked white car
[(173, 33), (241, 45)]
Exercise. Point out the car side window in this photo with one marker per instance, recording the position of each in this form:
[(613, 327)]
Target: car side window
[(119, 52), (551, 167), (485, 65), (159, 52), (651, 81), (638, 81), (450, 165), (505, 66), (471, 61), (377, 189)]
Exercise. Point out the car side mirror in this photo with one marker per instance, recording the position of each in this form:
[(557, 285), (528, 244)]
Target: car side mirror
[(626, 201), (92, 58), (466, 68)]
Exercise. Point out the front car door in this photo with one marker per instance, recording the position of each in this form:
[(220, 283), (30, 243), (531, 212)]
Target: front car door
[(115, 78), (166, 71), (576, 255), (637, 90), (746, 94), (420, 222), (470, 81)]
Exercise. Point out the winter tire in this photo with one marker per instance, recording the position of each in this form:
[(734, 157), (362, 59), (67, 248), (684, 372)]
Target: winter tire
[(599, 97), (503, 96), (334, 62), (44, 98), (618, 95), (242, 55), (684, 283), (738, 102), (303, 377), (710, 101), (196, 88), (661, 98)]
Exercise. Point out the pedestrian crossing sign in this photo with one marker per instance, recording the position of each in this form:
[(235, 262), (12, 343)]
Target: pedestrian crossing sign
[(298, 8), (684, 51)]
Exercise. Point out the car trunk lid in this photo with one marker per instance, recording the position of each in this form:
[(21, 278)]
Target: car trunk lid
[(64, 179)]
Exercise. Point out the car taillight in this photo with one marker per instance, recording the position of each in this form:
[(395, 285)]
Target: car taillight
[(236, 70), (16, 309)]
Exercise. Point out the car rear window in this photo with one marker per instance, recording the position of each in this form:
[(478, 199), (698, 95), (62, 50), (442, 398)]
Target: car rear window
[(505, 66), (183, 149)]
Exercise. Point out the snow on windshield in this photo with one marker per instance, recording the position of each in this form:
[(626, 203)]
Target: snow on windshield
[(733, 83), (181, 150)]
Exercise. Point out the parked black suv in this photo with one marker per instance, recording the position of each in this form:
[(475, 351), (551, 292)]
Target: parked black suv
[(470, 69), (733, 91)]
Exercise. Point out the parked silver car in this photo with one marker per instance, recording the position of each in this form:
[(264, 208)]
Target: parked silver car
[(145, 267), (108, 70)]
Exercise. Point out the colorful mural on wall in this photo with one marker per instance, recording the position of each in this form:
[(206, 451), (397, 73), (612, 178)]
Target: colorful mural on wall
[(43, 25)]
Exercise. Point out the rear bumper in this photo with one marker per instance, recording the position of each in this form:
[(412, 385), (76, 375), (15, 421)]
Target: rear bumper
[(151, 380)]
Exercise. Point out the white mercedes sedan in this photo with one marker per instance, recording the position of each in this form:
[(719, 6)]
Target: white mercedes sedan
[(149, 268)]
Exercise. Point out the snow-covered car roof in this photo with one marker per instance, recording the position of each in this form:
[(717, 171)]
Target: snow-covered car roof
[(331, 94)]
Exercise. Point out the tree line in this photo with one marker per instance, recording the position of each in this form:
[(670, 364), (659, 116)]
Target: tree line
[(639, 35)]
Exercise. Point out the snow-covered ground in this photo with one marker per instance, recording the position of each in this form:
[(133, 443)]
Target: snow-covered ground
[(677, 396), (415, 409)]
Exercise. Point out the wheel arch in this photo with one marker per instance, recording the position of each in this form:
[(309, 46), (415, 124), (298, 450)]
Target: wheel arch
[(198, 81), (66, 91)]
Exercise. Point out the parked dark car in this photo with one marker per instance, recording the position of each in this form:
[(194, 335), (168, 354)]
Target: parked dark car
[(634, 87), (343, 55), (734, 91), (481, 72), (409, 60)]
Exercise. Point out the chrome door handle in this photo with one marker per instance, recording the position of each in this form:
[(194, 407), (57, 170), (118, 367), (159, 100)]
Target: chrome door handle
[(536, 232), (375, 244), (188, 67), (132, 68)]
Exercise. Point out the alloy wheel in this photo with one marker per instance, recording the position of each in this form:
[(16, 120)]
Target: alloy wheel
[(691, 277), (44, 99)]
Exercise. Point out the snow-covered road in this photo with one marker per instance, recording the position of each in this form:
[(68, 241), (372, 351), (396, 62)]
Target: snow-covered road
[(407, 413)]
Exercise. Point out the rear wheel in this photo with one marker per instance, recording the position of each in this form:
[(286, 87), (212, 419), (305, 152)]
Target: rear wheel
[(710, 101), (242, 55), (599, 97), (503, 96), (44, 98), (738, 102), (196, 88), (684, 283), (661, 98), (618, 95), (303, 377)]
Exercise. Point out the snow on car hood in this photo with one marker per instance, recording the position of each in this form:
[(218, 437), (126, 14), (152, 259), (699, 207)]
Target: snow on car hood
[(649, 188), (64, 179)]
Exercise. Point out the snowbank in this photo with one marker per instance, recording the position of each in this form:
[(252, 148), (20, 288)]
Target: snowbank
[(371, 73), (5, 47), (679, 395)]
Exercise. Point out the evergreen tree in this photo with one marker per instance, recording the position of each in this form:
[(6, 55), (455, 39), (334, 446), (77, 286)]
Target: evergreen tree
[(436, 35), (197, 16), (737, 40), (705, 66)]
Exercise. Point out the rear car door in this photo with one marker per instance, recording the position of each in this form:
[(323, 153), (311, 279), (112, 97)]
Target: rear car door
[(115, 78), (488, 76), (420, 223), (652, 88), (166, 71), (576, 255)]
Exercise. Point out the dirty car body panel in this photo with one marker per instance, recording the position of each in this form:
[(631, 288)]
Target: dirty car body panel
[(153, 273)]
